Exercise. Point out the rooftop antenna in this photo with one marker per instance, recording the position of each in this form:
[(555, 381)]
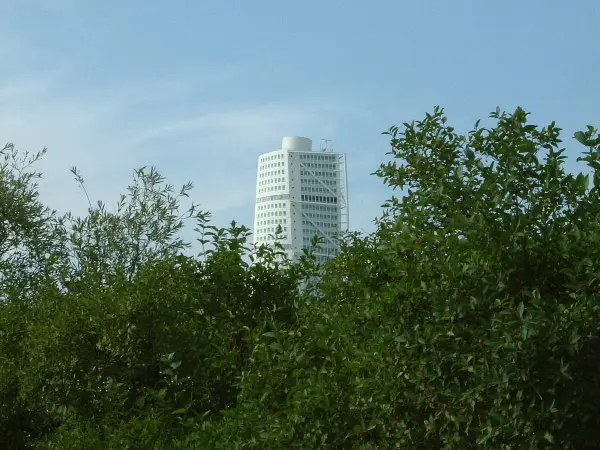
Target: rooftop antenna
[(325, 145)]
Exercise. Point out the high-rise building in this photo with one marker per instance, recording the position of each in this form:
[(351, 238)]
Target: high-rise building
[(306, 193)]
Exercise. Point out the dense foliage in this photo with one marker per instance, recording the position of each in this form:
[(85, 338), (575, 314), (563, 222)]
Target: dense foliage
[(468, 319)]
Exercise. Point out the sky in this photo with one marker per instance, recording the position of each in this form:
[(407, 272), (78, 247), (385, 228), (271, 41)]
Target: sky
[(199, 89)]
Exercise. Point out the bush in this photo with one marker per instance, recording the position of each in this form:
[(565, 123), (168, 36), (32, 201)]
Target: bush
[(468, 319)]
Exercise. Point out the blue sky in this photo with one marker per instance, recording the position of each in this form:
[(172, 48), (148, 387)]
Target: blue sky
[(200, 89)]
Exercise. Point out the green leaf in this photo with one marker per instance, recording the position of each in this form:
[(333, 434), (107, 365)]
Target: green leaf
[(587, 138), (580, 136), (520, 309)]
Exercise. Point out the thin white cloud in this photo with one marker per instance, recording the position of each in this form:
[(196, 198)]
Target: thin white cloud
[(104, 133), (107, 131), (60, 7), (245, 125), (10, 48), (26, 87), (225, 144)]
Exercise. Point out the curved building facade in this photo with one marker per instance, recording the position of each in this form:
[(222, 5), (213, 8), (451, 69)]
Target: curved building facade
[(301, 193)]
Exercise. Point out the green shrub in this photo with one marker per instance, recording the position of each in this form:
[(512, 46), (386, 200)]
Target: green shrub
[(468, 319)]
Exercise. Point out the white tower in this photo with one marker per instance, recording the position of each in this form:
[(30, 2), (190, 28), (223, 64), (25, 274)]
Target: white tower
[(304, 192)]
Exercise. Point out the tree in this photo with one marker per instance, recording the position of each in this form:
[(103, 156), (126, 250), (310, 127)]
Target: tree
[(28, 229), (30, 251), (468, 319), (128, 336)]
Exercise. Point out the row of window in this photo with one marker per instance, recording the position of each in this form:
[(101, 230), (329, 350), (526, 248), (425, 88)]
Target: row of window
[(270, 238), (264, 167), (311, 231), (315, 181), (331, 217), (304, 198), (271, 206), (328, 174), (322, 225), (271, 222), (270, 173), (326, 208), (327, 244), (271, 181), (318, 198), (313, 189), (265, 230), (271, 198), (317, 156), (279, 187), (316, 190), (272, 157), (271, 214), (319, 166)]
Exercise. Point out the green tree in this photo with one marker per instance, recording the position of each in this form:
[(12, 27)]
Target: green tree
[(29, 230), (128, 340), (468, 320), (30, 251)]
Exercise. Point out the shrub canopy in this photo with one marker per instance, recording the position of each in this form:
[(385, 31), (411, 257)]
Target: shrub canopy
[(468, 319)]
